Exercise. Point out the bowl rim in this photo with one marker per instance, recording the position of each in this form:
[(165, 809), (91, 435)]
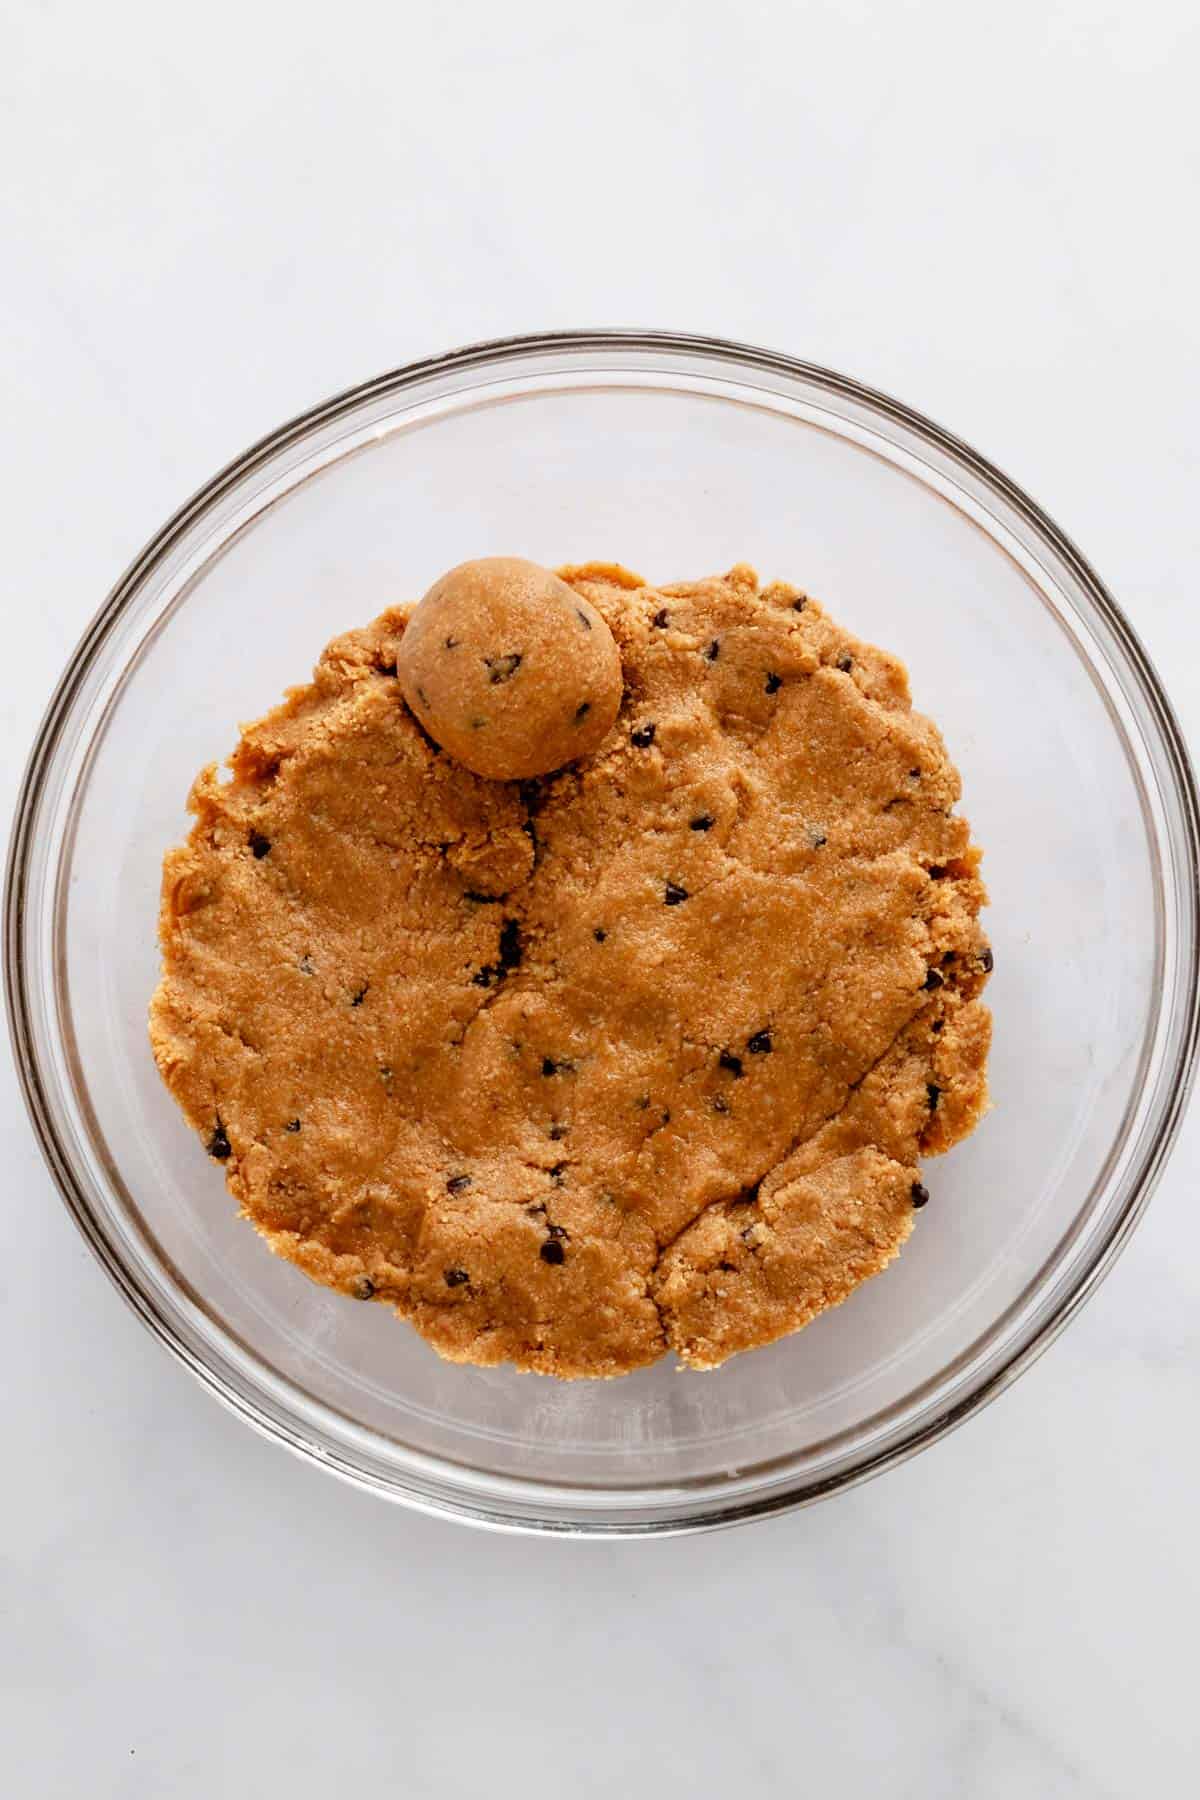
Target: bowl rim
[(434, 1498)]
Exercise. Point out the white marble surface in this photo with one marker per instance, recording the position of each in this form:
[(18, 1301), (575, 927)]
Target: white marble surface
[(213, 217)]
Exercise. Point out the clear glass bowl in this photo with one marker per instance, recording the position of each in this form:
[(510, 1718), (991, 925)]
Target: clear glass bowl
[(678, 456)]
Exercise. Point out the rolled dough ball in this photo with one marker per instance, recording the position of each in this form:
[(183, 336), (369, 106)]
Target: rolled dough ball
[(509, 670)]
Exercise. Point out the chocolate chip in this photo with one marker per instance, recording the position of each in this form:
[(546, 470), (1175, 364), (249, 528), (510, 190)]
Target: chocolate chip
[(666, 1118), (642, 736), (914, 774), (920, 1193), (937, 1024), (582, 711), (661, 618), (937, 872), (583, 619), (293, 1125), (933, 980), (358, 998), (259, 844), (799, 605), (727, 1060), (702, 822), (774, 683), (713, 651), (934, 1093), (511, 949), (457, 1183), (478, 899), (503, 668), (816, 837), (557, 1173), (550, 1067), (455, 1277), (599, 934), (557, 1132), (363, 1287), (845, 664), (485, 976), (760, 1044), (674, 895), (219, 1144), (552, 1251), (950, 956), (987, 961), (720, 1103)]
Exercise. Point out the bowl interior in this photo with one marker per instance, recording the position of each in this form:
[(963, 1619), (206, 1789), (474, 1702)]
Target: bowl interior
[(676, 476)]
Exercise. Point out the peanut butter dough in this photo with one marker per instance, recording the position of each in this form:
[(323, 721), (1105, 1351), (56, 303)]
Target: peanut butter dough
[(572, 1072), (509, 669)]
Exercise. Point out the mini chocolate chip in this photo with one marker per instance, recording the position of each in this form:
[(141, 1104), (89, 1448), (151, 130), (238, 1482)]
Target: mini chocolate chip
[(363, 1287), (511, 949), (720, 1103), (713, 651), (582, 711), (727, 1060), (760, 1044), (937, 872), (557, 1132), (305, 965), (358, 998), (934, 1093), (914, 774), (933, 980), (557, 1173), (455, 1277), (503, 668), (937, 1024), (920, 1193), (452, 643), (293, 1125), (457, 1183), (774, 683), (599, 934), (552, 1251), (673, 894), (583, 619), (219, 1144), (799, 605), (642, 736), (987, 961), (702, 822), (845, 664), (661, 618), (259, 844)]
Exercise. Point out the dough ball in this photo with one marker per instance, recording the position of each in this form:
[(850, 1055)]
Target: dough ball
[(509, 670)]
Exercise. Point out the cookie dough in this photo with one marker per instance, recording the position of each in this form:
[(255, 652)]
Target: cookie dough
[(640, 1057), (509, 670)]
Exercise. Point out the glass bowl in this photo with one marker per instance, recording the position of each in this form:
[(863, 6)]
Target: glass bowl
[(677, 456)]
